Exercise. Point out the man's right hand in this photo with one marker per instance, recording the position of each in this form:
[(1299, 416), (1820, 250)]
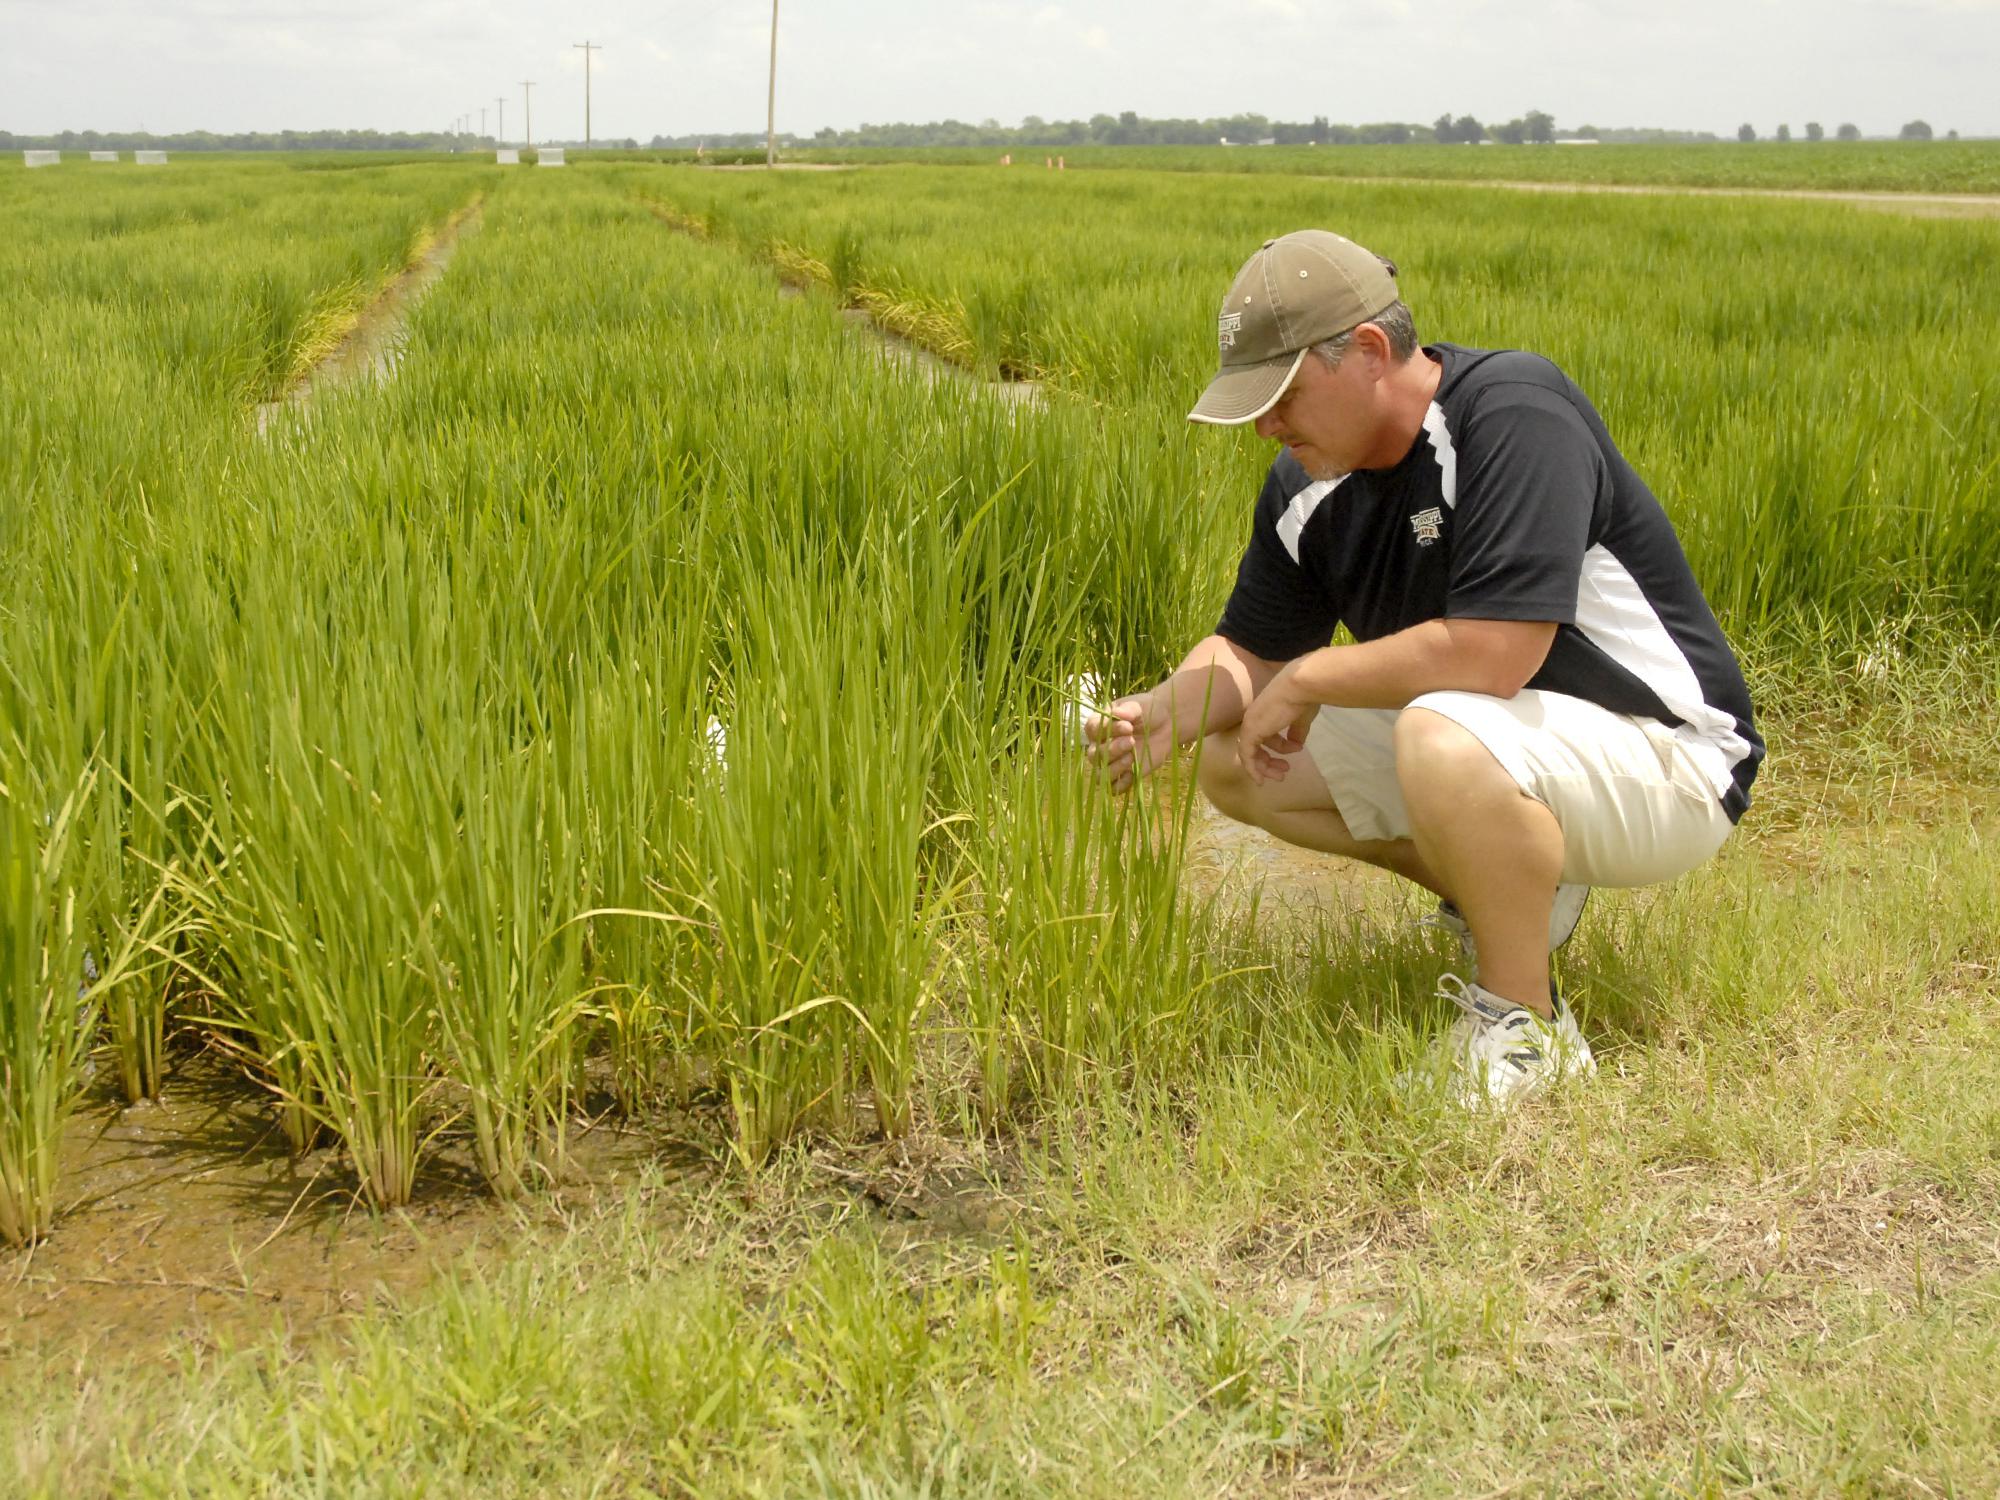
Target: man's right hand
[(1128, 740)]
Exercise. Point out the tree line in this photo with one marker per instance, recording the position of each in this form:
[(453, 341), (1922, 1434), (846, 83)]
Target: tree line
[(1127, 129), (1132, 129), (1915, 130)]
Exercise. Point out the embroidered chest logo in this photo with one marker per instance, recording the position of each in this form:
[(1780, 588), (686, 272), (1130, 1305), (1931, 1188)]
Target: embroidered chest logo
[(1225, 329), (1428, 525)]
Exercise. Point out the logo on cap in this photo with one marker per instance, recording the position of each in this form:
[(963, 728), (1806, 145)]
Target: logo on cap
[(1225, 329)]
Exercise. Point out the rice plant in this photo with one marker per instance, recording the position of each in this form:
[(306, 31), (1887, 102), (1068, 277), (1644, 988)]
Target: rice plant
[(49, 989)]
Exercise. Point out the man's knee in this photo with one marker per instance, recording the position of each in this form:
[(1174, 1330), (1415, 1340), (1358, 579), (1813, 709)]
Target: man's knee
[(1438, 757), (1224, 781)]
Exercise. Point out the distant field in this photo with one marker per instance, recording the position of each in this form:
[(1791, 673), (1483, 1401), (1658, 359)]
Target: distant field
[(1864, 166)]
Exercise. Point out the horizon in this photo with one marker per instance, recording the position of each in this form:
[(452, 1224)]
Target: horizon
[(677, 70)]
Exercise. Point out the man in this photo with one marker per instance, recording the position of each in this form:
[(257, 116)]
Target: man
[(1538, 701)]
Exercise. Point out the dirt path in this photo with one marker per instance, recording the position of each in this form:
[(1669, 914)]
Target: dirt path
[(374, 346), (783, 166)]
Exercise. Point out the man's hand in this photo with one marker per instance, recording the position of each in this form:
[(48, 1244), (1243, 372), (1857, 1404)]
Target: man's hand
[(1274, 726), (1128, 740)]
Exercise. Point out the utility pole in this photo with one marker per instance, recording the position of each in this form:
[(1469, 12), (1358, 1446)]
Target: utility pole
[(482, 122), (528, 111), (500, 130), (771, 102), (586, 48)]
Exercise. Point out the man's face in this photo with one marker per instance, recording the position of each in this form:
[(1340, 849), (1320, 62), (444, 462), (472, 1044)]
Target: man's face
[(1327, 418)]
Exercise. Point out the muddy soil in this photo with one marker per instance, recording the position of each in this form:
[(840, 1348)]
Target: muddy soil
[(186, 1221)]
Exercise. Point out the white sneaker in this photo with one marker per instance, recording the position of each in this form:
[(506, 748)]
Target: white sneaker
[(1563, 917), (1499, 1051)]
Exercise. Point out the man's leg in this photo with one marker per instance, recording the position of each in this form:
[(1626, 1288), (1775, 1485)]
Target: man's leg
[(1498, 851), (1299, 809)]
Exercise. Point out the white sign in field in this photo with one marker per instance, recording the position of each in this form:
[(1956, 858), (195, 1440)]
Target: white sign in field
[(41, 158), (150, 158), (104, 156), (507, 158), (550, 156)]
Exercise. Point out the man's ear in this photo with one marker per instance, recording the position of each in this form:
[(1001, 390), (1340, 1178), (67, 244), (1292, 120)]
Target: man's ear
[(1374, 343)]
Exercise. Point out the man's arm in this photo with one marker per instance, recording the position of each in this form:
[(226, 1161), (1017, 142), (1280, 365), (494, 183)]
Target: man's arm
[(1207, 692), (1496, 657)]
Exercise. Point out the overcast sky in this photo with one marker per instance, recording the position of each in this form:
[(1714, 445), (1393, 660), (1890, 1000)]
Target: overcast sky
[(677, 66)]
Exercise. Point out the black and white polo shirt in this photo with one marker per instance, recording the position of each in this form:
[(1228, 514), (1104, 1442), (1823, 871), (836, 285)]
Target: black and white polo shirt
[(1513, 504)]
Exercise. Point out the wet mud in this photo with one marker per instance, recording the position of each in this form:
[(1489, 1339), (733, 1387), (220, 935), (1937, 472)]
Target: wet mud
[(185, 1222)]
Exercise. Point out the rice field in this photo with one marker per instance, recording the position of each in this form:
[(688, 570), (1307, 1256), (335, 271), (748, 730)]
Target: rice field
[(1939, 166), (641, 700)]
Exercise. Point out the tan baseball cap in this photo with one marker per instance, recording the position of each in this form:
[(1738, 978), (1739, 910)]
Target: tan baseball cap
[(1296, 291)]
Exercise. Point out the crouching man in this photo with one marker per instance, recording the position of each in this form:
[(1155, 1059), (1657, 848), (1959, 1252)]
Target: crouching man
[(1539, 699)]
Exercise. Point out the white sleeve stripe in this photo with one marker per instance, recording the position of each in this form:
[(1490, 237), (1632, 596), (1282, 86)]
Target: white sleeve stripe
[(1304, 503), (1447, 456)]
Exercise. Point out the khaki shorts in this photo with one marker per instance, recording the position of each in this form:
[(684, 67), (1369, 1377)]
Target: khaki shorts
[(1633, 805)]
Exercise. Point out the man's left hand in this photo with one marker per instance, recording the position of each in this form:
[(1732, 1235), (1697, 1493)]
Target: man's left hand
[(1274, 726)]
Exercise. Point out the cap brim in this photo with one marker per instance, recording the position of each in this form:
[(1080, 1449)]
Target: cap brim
[(1245, 393)]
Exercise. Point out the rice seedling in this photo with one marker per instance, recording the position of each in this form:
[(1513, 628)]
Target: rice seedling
[(48, 993), (634, 765), (504, 951)]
